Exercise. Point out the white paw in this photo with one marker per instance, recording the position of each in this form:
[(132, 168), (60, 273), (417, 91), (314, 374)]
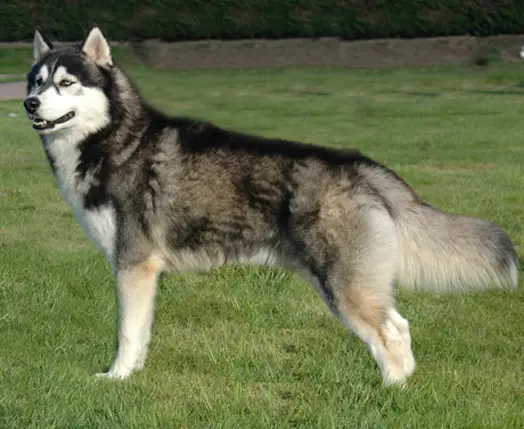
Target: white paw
[(113, 375), (408, 362), (401, 362), (395, 378), (399, 370)]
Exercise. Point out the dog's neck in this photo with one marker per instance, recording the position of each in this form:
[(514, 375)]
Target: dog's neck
[(129, 118)]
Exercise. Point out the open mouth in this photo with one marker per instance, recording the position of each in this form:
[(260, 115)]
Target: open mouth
[(40, 124)]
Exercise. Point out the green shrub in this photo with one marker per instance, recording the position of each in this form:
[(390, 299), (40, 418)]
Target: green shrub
[(240, 19)]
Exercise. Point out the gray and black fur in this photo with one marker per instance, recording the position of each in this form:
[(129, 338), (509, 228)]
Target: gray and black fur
[(169, 193)]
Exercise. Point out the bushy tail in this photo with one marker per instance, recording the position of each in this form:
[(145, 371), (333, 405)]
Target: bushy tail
[(444, 252)]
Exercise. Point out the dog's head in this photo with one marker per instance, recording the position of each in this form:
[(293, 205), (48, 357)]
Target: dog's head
[(67, 86)]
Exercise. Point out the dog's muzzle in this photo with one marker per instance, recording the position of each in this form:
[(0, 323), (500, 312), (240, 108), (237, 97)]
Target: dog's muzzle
[(32, 104)]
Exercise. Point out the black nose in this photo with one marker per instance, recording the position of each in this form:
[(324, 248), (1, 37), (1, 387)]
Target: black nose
[(31, 104)]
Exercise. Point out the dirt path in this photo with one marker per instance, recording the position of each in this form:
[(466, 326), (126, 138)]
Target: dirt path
[(12, 90)]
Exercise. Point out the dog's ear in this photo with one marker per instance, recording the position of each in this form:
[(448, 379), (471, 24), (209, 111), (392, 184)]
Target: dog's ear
[(40, 46), (96, 47)]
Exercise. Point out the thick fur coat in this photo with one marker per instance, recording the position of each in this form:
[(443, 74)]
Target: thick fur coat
[(159, 193)]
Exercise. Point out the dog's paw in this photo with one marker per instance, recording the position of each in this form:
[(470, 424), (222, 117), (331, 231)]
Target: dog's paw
[(396, 377), (400, 362), (110, 375), (103, 375)]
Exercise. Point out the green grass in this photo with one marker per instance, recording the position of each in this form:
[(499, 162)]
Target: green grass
[(15, 60), (256, 348)]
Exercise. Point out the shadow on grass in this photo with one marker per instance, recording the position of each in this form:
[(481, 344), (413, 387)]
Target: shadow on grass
[(313, 93), (422, 94), (467, 91), (494, 92)]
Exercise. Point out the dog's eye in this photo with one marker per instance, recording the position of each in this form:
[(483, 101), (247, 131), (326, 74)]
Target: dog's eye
[(39, 81), (65, 83)]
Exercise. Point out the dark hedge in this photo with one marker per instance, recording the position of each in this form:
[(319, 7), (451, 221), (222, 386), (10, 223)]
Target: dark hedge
[(173, 20)]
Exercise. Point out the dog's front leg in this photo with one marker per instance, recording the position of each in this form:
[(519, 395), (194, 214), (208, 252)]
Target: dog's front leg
[(136, 286)]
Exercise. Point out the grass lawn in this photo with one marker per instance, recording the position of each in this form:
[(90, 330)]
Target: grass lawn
[(254, 347)]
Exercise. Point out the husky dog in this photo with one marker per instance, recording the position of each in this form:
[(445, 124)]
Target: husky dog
[(159, 193)]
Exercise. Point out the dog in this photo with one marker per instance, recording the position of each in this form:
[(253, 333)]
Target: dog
[(158, 194)]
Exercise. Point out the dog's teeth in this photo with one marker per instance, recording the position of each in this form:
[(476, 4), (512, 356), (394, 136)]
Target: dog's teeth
[(40, 122)]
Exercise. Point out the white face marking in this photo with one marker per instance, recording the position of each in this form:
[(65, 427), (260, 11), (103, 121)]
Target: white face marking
[(43, 74)]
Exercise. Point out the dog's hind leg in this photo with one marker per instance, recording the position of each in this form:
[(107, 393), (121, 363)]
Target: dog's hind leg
[(363, 286), (355, 272), (136, 293), (376, 321)]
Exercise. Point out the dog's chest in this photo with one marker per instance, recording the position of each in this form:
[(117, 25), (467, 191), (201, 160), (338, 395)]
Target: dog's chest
[(98, 221)]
